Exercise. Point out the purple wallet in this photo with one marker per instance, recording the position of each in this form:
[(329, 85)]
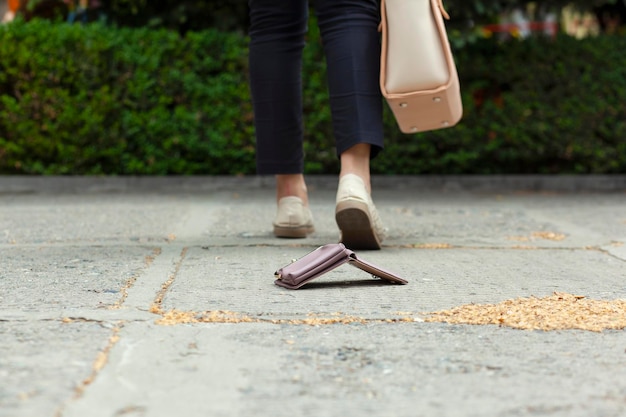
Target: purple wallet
[(324, 259)]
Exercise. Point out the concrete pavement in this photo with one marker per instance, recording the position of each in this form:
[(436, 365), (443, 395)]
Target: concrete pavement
[(155, 297)]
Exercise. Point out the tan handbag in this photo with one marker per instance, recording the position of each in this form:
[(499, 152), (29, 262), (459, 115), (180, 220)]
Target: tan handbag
[(418, 76)]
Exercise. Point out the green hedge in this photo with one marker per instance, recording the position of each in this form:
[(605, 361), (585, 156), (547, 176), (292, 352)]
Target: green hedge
[(99, 100)]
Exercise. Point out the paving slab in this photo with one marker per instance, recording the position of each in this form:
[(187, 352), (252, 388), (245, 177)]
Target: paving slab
[(105, 282), (52, 278), (217, 278), (44, 361), (372, 369)]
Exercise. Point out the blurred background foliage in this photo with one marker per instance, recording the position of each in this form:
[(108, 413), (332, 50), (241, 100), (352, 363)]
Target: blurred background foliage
[(232, 15), (157, 88)]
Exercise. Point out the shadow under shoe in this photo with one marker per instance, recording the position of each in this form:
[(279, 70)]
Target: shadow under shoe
[(293, 218), (356, 215)]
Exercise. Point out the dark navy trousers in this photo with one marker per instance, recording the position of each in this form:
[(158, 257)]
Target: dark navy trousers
[(349, 31)]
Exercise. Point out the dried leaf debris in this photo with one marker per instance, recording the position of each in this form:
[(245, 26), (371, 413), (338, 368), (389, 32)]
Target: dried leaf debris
[(559, 311)]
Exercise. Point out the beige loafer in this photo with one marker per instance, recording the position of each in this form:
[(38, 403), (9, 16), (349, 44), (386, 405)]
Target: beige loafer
[(293, 218), (356, 215)]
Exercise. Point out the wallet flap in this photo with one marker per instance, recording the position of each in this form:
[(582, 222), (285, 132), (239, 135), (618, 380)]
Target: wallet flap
[(376, 270)]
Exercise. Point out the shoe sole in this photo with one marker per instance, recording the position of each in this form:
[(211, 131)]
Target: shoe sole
[(356, 226), (293, 232)]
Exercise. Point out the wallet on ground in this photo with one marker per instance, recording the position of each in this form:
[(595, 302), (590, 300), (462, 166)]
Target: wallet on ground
[(324, 259)]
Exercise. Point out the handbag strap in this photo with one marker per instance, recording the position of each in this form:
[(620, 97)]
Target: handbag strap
[(443, 10)]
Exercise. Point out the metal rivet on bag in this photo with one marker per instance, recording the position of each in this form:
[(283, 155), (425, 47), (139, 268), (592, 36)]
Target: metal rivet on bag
[(404, 105), (437, 99)]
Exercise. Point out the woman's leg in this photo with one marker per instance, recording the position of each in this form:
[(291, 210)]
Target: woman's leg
[(356, 160), (349, 30), (277, 33)]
